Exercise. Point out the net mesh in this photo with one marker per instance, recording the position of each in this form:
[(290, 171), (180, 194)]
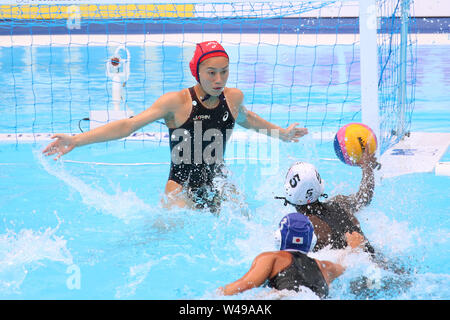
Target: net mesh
[(294, 61)]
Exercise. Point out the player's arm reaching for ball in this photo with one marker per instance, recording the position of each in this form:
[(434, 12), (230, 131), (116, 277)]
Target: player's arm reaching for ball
[(364, 195), (250, 120)]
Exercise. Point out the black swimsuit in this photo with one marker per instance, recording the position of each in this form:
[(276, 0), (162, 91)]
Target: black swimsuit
[(340, 223), (303, 271), (198, 147)]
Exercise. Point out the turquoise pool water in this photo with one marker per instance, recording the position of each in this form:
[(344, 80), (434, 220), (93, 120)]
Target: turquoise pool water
[(72, 230)]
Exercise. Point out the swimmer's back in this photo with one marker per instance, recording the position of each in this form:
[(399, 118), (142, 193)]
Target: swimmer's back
[(296, 269)]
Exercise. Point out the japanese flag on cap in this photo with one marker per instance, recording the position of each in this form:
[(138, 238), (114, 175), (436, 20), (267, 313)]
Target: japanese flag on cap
[(203, 51), (295, 233), (297, 240)]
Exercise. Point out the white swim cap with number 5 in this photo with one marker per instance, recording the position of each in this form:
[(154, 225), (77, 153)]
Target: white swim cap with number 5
[(303, 184)]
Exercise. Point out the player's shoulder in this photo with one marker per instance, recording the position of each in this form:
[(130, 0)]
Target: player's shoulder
[(180, 95), (273, 255), (336, 200), (340, 204), (234, 94), (176, 98)]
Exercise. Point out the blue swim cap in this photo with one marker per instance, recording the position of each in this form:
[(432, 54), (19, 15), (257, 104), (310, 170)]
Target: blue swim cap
[(296, 233)]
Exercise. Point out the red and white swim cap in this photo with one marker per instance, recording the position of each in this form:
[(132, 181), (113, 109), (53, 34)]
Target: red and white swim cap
[(203, 51)]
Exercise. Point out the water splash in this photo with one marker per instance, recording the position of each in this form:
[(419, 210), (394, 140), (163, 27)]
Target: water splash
[(394, 237), (124, 205), (20, 252), (136, 276)]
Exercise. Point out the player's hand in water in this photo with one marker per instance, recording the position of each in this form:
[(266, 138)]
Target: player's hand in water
[(355, 239), (291, 133), (62, 145)]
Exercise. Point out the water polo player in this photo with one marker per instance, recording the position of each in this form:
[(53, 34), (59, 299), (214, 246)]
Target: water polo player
[(291, 268), (334, 218), (200, 119)]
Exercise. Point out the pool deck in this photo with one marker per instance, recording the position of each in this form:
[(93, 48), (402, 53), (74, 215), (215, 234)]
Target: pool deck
[(420, 152), (192, 38), (187, 32)]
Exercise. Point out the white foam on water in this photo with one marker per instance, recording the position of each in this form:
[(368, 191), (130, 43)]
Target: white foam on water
[(428, 286), (25, 250), (263, 293), (395, 237)]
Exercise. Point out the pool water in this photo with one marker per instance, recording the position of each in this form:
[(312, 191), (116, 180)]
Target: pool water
[(77, 229)]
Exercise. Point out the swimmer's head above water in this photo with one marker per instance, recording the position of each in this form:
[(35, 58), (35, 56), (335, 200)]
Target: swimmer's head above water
[(303, 185), (295, 233), (209, 66)]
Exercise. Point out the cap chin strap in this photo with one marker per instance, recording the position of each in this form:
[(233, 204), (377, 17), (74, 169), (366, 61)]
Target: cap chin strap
[(286, 201), (206, 97)]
